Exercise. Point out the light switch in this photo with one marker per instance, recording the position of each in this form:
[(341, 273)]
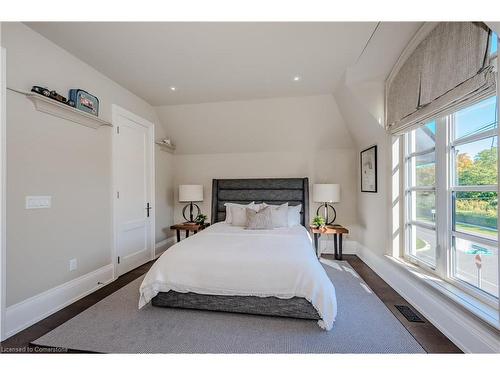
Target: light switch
[(38, 201)]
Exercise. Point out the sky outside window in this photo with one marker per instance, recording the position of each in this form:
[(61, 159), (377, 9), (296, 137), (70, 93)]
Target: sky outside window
[(494, 44)]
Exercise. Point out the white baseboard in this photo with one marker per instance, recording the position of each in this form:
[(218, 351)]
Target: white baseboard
[(326, 246), (166, 243), (466, 331), (32, 310)]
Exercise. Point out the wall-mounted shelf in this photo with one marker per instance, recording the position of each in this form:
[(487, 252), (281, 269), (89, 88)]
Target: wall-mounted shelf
[(165, 147), (52, 107)]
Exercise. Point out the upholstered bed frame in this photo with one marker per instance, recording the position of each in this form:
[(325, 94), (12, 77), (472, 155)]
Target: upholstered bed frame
[(295, 191), (270, 190)]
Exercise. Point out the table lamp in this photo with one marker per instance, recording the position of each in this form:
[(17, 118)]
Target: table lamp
[(190, 193), (326, 194)]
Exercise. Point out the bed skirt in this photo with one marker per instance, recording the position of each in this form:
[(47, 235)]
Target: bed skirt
[(295, 307)]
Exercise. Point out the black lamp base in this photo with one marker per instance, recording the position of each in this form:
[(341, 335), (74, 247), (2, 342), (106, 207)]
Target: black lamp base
[(191, 215), (325, 207)]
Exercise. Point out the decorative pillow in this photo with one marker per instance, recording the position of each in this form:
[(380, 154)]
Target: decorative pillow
[(228, 210), (239, 215), (259, 219), (279, 215), (294, 215)]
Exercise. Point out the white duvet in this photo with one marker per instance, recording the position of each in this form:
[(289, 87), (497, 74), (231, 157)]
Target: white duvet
[(229, 260)]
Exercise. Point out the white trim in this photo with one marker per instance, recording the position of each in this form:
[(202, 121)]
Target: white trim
[(474, 137), (162, 243), (480, 307), (421, 224), (165, 243), (326, 246), (466, 331), (32, 310), (420, 188), (117, 110), (485, 188), (474, 238), (420, 153), (3, 201)]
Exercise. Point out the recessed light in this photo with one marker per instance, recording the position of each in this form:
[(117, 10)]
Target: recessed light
[(173, 88), (297, 78)]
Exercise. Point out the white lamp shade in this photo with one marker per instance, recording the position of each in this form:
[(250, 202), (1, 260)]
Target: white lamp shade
[(329, 193), (190, 193)]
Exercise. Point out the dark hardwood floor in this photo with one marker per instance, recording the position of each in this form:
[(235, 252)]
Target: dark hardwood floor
[(429, 337), (20, 342)]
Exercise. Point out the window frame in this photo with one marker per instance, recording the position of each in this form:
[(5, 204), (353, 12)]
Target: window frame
[(409, 176), (453, 188), (445, 188)]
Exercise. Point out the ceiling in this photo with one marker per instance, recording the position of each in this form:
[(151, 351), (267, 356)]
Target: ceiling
[(212, 62), (384, 49)]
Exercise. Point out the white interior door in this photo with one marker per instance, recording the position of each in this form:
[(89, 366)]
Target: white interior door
[(133, 161)]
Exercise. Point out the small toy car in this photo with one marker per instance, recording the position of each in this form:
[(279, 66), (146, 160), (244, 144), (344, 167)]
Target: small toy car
[(41, 90), (54, 95)]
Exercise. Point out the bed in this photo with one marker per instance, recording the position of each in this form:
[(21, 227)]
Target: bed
[(228, 268)]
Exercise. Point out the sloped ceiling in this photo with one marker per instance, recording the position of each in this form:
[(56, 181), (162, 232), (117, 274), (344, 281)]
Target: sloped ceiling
[(211, 62), (360, 94)]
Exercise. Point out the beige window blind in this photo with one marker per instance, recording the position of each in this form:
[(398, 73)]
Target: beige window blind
[(449, 66)]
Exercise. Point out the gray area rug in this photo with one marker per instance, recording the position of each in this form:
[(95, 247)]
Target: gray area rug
[(115, 325)]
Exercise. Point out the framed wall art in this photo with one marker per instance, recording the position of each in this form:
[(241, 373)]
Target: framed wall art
[(368, 160)]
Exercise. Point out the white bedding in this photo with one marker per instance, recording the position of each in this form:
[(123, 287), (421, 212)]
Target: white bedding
[(229, 260)]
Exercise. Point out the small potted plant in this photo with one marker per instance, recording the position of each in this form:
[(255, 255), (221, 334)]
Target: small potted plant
[(318, 221), (200, 219)]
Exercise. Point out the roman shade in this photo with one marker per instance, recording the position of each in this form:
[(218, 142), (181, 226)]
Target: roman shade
[(449, 66)]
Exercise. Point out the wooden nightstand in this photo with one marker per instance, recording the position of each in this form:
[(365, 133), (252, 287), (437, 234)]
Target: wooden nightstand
[(188, 227), (337, 231)]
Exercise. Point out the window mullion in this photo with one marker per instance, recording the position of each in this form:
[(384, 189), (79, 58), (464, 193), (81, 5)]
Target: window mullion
[(442, 205), (420, 153), (475, 137), (421, 188), (482, 188)]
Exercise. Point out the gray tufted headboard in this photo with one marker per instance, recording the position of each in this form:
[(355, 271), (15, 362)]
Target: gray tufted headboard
[(270, 190)]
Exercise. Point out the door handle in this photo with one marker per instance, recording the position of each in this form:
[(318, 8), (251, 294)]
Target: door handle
[(148, 208)]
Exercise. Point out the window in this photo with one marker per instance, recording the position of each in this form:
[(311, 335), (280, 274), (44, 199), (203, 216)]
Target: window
[(473, 193), (493, 44), (451, 169), (421, 193)]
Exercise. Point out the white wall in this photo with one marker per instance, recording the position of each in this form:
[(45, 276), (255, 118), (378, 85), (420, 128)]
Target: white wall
[(164, 198), (201, 169), (372, 208), (47, 155), (280, 137)]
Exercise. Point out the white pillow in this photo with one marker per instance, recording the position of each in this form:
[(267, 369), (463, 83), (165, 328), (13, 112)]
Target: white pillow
[(294, 215), (279, 215), (228, 206)]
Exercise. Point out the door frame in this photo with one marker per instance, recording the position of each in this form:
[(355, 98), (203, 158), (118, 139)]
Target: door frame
[(119, 111)]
